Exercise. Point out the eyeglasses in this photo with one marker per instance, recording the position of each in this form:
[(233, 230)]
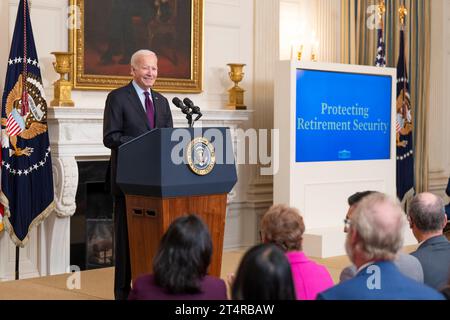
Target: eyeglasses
[(347, 222)]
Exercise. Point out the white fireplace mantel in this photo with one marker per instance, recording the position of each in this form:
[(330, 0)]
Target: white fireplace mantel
[(76, 134)]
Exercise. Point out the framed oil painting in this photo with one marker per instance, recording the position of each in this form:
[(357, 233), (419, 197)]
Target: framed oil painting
[(107, 32)]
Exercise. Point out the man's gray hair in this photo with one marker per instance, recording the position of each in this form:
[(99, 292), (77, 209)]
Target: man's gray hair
[(140, 53), (427, 212), (379, 222)]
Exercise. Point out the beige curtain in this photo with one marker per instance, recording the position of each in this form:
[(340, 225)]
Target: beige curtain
[(359, 47)]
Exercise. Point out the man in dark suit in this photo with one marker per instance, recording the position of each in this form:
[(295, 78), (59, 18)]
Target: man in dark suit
[(375, 235), (131, 111), (427, 221)]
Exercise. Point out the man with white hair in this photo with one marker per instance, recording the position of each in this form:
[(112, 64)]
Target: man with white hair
[(374, 237), (131, 111), (406, 263), (427, 220)]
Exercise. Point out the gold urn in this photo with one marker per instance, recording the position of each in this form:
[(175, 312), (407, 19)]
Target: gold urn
[(63, 87), (236, 94)]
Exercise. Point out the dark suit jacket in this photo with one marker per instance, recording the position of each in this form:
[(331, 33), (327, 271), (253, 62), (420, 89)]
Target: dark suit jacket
[(393, 286), (125, 119), (144, 288), (434, 255)]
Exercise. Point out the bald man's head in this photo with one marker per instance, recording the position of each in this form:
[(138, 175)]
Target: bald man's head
[(427, 212)]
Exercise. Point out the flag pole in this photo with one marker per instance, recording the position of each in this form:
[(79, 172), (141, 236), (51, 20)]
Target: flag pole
[(381, 11), (24, 103), (403, 12), (17, 262)]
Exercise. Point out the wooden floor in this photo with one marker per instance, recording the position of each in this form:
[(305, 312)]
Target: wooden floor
[(98, 284)]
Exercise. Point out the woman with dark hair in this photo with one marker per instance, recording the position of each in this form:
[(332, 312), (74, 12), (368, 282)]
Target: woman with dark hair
[(180, 266), (264, 274)]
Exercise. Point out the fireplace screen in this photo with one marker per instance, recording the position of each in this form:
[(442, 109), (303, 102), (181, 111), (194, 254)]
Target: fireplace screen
[(99, 253), (92, 226)]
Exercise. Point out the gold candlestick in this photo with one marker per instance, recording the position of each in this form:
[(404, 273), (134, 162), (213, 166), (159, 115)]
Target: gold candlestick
[(300, 53), (236, 94), (314, 50), (63, 87)]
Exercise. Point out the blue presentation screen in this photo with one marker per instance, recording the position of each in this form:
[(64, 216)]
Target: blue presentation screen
[(342, 116)]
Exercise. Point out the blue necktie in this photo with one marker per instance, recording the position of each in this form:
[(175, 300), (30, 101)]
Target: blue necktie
[(149, 109)]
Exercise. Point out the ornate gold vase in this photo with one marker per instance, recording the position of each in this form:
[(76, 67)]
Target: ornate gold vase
[(63, 87), (236, 94)]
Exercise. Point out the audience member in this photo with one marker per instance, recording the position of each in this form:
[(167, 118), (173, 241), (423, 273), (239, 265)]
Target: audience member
[(283, 226), (180, 266), (407, 264), (263, 274), (375, 235), (427, 221)]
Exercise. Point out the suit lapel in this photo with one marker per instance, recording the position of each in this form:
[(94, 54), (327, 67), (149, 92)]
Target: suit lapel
[(136, 103), (157, 106)]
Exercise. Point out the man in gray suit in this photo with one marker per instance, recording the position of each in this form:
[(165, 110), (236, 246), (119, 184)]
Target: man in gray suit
[(407, 264), (427, 220)]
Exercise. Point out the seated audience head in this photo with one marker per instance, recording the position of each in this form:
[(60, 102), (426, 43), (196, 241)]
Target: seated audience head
[(283, 226), (183, 256), (375, 230), (426, 216), (353, 201), (264, 274)]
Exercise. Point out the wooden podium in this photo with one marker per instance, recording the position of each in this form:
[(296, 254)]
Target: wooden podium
[(158, 190)]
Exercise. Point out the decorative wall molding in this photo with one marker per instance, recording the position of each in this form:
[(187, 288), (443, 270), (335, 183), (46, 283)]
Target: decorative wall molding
[(328, 26), (65, 178), (439, 130)]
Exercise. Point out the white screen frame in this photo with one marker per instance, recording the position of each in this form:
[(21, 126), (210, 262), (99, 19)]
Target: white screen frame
[(320, 189)]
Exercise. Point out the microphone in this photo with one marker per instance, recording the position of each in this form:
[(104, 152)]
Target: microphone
[(179, 104), (195, 109)]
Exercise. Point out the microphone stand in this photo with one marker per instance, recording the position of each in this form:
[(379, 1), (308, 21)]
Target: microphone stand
[(189, 119), (198, 117)]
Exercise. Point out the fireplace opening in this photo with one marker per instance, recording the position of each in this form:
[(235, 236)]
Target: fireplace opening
[(91, 227)]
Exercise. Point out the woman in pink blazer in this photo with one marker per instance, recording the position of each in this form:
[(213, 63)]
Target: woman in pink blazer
[(284, 226)]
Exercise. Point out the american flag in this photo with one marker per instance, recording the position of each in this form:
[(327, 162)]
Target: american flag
[(380, 60), (14, 124), (26, 194), (405, 150)]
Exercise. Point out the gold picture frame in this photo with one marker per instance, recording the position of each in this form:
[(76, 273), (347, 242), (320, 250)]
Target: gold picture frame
[(101, 44)]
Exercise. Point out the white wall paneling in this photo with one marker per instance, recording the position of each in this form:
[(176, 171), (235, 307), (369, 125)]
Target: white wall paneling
[(439, 113)]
